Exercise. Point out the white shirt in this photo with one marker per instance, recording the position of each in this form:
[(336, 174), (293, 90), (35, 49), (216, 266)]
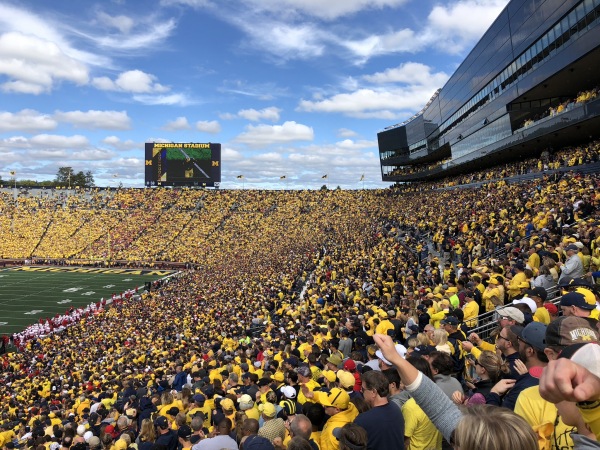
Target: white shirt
[(216, 443)]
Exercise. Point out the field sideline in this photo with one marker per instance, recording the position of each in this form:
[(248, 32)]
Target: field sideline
[(29, 293)]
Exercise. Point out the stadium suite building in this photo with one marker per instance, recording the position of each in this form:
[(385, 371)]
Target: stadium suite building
[(514, 95)]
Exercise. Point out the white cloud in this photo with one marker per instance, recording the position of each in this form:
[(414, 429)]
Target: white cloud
[(371, 103), (212, 127), (92, 119), (159, 139), (26, 120), (327, 10), (396, 93), (445, 29), (33, 65), (191, 3), (293, 29), (271, 113), (118, 144), (134, 81), (268, 157), (57, 141), (401, 41), (344, 162), (449, 30), (14, 142), (348, 144), (181, 123), (408, 73), (264, 91), (230, 154), (170, 99), (122, 23), (88, 155), (122, 167), (155, 33), (47, 154), (346, 133), (286, 41), (92, 155), (263, 135), (14, 19)]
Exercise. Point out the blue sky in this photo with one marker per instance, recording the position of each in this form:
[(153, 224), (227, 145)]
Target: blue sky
[(288, 87)]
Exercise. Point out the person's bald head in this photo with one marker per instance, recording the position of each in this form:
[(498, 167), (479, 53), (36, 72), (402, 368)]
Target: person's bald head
[(301, 426), (196, 423)]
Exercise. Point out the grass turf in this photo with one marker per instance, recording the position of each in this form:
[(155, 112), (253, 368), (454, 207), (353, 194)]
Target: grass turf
[(31, 292)]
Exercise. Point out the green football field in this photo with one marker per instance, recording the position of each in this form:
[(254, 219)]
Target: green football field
[(31, 292)]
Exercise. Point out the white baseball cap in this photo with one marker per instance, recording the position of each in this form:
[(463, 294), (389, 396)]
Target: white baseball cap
[(400, 349)]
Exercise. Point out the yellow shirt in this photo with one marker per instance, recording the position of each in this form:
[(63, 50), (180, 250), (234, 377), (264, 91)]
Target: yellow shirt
[(542, 315), (312, 386), (253, 413), (6, 436), (513, 286), (419, 429), (534, 261), (471, 311), (489, 296), (543, 417)]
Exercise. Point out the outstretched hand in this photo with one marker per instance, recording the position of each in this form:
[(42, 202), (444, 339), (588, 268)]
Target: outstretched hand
[(387, 347)]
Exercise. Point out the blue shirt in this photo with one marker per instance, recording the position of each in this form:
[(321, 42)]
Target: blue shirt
[(384, 425)]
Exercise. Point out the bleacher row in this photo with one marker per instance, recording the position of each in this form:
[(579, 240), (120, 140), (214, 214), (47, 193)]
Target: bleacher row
[(549, 160)]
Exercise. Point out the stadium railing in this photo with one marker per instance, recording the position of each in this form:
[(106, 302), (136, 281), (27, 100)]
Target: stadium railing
[(488, 321)]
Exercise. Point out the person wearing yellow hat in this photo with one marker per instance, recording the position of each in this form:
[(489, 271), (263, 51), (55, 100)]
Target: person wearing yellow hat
[(329, 378), (273, 427), (385, 324), (120, 444), (580, 303), (452, 293), (228, 408), (340, 410), (436, 318)]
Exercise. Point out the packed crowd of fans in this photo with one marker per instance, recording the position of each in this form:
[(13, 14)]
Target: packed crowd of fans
[(549, 160), (409, 170), (317, 319), (564, 106)]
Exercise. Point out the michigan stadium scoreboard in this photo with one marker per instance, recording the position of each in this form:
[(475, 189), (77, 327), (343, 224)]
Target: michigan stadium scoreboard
[(183, 164)]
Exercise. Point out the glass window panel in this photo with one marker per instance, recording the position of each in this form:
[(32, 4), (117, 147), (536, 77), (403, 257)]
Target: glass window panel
[(544, 42), (558, 28), (580, 12)]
